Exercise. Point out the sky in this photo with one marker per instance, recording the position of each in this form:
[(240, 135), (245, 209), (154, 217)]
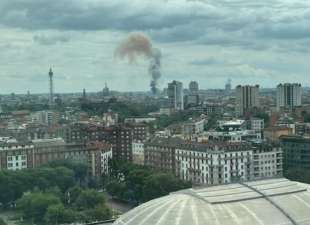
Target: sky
[(210, 41)]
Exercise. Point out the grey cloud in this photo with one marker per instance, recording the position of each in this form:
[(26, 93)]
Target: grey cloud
[(282, 31), (207, 62), (215, 22), (50, 39)]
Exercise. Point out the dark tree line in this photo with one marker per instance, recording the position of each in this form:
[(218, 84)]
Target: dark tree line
[(123, 109), (52, 194), (137, 184)]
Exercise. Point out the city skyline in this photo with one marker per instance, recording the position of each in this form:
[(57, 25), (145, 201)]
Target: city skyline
[(207, 41)]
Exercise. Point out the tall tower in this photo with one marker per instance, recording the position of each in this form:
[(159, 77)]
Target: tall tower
[(193, 87), (228, 86), (289, 95), (175, 95), (247, 99), (51, 94)]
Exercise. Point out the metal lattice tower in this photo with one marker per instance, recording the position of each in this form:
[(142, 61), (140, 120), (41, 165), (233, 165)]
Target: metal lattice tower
[(51, 84)]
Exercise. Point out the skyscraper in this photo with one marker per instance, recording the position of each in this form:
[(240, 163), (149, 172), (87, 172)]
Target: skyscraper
[(288, 95), (228, 87), (51, 84), (175, 95), (193, 87), (84, 93), (247, 98)]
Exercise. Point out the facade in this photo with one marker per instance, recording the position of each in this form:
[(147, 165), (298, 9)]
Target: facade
[(47, 118), (296, 152), (175, 95), (15, 156), (275, 132), (231, 125), (159, 153), (213, 108), (193, 87), (138, 153), (247, 99), (191, 100), (139, 131), (121, 138), (267, 160), (288, 95), (232, 136), (192, 128), (257, 124), (302, 129), (110, 118), (213, 164)]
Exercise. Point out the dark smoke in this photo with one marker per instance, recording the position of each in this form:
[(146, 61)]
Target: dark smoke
[(137, 45)]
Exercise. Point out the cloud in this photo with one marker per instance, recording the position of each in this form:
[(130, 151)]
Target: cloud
[(50, 40), (206, 40)]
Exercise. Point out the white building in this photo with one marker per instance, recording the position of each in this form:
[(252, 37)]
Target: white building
[(257, 124), (267, 161), (138, 153), (193, 127), (110, 118), (106, 157), (231, 136), (247, 98), (230, 125), (13, 156), (46, 117), (213, 164), (289, 95)]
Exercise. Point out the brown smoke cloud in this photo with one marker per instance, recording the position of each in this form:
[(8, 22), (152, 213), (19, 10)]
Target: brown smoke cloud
[(138, 45)]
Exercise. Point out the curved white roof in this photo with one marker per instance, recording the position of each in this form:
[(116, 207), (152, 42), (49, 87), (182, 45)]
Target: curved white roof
[(272, 201)]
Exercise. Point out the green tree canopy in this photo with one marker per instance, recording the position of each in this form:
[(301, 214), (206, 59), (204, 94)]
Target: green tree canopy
[(34, 205)]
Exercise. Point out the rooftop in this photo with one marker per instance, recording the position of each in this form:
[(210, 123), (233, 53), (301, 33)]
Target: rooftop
[(271, 201), (195, 146)]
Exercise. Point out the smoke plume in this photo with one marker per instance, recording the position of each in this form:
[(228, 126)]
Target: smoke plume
[(138, 45)]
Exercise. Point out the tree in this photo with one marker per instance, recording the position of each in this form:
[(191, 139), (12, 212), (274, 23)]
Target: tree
[(55, 214), (80, 169), (99, 213), (264, 116), (72, 194), (89, 199), (140, 183), (2, 222), (116, 189), (34, 205), (161, 184)]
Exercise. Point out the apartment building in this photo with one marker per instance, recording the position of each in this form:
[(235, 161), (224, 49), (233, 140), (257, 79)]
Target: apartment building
[(213, 163), (267, 160), (15, 156)]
